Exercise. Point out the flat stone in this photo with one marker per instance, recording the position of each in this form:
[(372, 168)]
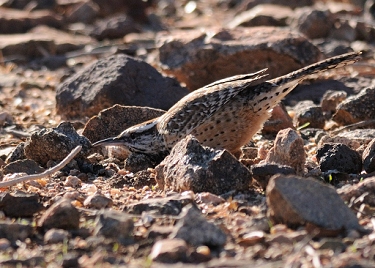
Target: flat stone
[(362, 136), (20, 204), (171, 205), (262, 172), (85, 12), (107, 82), (14, 231), (298, 201), (262, 15), (17, 154), (331, 99), (198, 57), (23, 166), (63, 41), (20, 21), (191, 166), (16, 44), (114, 27), (114, 120)]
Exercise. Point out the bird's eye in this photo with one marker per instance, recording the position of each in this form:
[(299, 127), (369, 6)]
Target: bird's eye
[(132, 136)]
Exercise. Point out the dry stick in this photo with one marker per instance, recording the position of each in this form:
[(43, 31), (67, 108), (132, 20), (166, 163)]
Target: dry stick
[(46, 173), (353, 126)]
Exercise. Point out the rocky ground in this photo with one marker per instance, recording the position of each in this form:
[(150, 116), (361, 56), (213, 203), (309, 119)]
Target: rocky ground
[(73, 72)]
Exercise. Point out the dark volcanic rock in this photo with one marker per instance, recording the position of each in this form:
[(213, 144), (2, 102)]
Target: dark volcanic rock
[(118, 79), (297, 201), (23, 166), (309, 113), (114, 27), (171, 205), (20, 204), (264, 171), (337, 156), (368, 157), (198, 58), (191, 166), (14, 231), (55, 144)]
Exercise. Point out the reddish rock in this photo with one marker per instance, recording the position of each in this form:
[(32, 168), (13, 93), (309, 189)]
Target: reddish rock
[(185, 54), (288, 150), (356, 108), (61, 215), (315, 23), (279, 120)]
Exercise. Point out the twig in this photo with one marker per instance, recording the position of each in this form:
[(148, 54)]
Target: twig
[(46, 173), (354, 126)]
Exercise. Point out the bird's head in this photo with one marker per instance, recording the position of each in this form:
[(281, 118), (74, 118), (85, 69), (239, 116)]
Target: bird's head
[(142, 138)]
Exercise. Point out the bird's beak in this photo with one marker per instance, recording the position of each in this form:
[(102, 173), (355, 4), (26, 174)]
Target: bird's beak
[(109, 142)]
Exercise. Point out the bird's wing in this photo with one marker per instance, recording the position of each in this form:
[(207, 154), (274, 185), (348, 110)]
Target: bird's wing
[(194, 109)]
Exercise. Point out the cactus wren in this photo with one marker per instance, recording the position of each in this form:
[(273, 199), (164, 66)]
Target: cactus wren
[(224, 114)]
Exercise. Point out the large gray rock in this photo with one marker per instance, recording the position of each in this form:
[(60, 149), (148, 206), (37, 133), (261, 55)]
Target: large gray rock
[(298, 201), (117, 79), (198, 58), (191, 166)]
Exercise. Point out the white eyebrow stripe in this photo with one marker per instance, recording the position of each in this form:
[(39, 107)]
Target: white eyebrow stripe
[(141, 128)]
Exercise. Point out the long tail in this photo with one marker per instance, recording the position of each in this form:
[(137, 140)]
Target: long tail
[(281, 86), (324, 65)]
